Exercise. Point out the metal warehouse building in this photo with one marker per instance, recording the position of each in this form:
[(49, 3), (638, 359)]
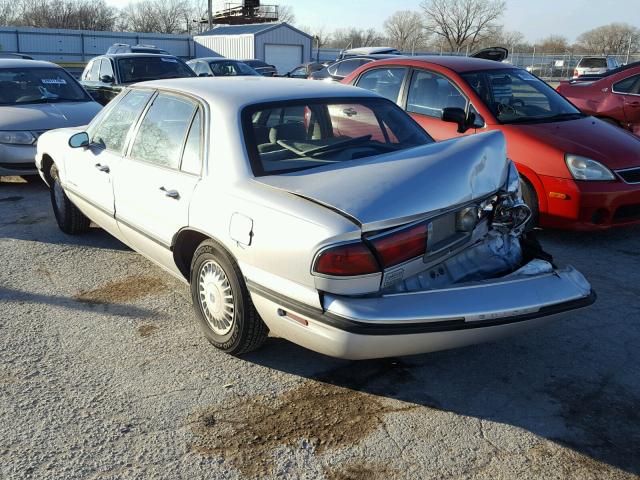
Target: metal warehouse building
[(278, 44)]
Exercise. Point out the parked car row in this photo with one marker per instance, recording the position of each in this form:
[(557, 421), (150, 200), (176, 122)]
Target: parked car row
[(406, 202)]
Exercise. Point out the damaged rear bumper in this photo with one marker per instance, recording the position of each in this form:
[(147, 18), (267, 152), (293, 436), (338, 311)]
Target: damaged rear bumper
[(419, 322)]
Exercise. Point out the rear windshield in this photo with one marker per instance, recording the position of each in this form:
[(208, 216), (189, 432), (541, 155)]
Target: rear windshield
[(294, 136), (593, 63), (38, 85), (139, 69), (230, 68)]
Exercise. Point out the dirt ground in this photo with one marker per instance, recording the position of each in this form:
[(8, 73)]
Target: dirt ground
[(104, 375)]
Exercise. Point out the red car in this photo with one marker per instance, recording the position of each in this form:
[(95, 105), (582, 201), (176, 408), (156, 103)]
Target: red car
[(613, 97), (577, 171)]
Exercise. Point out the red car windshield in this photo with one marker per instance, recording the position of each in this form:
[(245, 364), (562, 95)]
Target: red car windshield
[(516, 96)]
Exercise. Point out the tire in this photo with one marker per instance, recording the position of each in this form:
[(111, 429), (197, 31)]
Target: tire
[(530, 197), (69, 217), (222, 302)]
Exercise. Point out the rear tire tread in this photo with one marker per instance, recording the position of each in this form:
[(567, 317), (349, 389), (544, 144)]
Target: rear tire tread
[(254, 331)]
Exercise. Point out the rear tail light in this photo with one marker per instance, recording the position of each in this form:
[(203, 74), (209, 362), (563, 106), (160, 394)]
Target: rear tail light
[(346, 260), (398, 247)]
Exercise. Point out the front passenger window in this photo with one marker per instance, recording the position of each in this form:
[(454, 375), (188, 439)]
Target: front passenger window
[(163, 130), (111, 133)]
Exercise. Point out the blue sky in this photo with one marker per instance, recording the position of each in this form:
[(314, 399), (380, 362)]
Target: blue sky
[(534, 18)]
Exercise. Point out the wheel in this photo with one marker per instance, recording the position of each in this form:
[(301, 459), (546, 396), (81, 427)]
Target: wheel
[(223, 306), (70, 219), (531, 199)]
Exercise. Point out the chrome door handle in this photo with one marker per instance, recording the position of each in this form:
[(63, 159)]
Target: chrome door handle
[(103, 168), (171, 193)]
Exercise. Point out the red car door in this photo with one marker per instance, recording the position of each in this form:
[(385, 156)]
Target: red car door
[(629, 91), (428, 94)]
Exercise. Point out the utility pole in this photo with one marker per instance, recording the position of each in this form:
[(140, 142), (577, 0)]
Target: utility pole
[(628, 49), (210, 13)]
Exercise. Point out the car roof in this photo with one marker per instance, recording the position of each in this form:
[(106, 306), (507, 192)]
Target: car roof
[(457, 64), (215, 59), (235, 92), (23, 63), (136, 55)]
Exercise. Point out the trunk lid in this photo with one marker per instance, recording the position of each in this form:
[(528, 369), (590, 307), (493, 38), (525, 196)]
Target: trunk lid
[(388, 190)]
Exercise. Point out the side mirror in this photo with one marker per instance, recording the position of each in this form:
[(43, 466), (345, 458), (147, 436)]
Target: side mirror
[(456, 115), (79, 140), (204, 74), (106, 79)]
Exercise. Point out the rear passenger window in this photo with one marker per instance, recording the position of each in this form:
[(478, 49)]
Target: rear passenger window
[(383, 81), (112, 131), (430, 93), (628, 85), (192, 156), (163, 130)]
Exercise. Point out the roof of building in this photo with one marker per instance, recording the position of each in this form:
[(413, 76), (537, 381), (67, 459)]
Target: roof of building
[(249, 29), (237, 92)]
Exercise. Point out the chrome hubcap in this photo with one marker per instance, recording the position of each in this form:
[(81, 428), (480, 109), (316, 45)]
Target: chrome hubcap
[(216, 297)]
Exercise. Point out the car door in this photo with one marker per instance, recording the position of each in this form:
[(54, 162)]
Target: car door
[(427, 95), (629, 91), (89, 79), (107, 88), (90, 171), (154, 185)]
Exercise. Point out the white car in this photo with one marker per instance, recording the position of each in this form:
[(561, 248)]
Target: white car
[(595, 66), (321, 213)]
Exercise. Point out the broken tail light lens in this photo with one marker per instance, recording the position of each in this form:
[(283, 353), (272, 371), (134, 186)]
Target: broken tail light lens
[(400, 246), (349, 259)]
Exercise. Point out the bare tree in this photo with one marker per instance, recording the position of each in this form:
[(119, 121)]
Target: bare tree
[(405, 30), (354, 38), (321, 38), (553, 44), (157, 16), (462, 23), (285, 14), (70, 14), (612, 39)]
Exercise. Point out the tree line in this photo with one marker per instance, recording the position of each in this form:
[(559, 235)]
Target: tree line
[(436, 26)]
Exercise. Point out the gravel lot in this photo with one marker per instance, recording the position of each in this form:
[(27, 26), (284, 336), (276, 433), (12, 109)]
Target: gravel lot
[(104, 374)]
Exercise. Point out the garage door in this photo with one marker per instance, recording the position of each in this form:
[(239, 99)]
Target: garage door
[(284, 57)]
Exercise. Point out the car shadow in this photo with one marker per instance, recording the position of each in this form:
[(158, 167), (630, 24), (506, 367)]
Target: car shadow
[(574, 382), (557, 399)]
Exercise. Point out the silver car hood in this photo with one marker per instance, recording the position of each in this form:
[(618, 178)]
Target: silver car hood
[(45, 116), (388, 190)]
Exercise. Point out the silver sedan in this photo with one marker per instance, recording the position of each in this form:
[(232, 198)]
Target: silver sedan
[(318, 212), (36, 97)]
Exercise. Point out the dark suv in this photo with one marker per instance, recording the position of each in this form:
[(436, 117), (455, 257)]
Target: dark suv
[(106, 75)]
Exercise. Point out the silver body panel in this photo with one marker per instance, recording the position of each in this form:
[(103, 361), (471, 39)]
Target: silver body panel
[(275, 226)]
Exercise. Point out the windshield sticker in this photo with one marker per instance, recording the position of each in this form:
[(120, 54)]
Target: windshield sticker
[(54, 81), (169, 60)]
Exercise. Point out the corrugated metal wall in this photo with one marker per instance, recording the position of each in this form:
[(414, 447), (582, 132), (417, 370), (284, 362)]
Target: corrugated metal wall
[(81, 45), (239, 47), (283, 35)]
